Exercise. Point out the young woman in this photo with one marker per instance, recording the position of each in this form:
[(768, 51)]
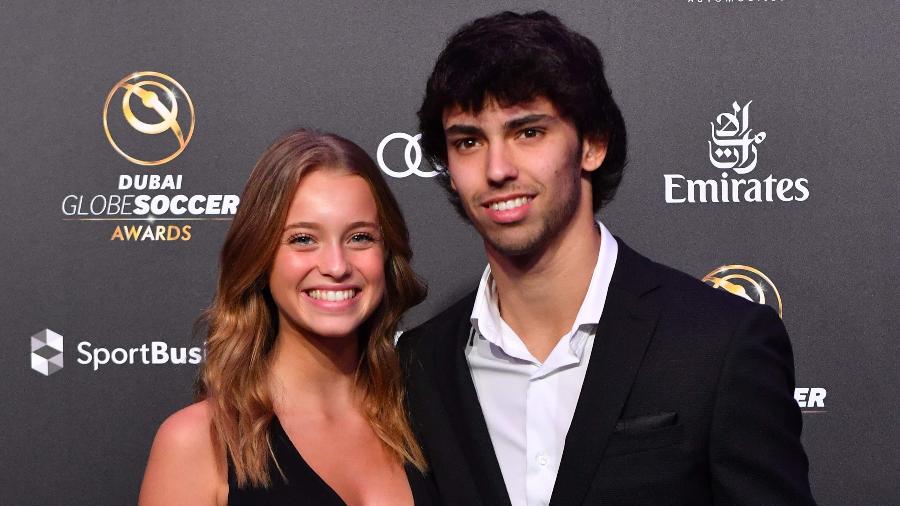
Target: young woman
[(301, 397)]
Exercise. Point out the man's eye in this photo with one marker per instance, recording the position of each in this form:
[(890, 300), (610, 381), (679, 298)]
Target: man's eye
[(464, 144), (530, 133), (301, 240)]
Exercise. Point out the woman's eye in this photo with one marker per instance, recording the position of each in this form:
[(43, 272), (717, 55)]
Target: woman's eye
[(362, 238), (300, 240)]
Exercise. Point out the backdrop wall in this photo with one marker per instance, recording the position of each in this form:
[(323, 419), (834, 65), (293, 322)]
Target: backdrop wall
[(786, 108)]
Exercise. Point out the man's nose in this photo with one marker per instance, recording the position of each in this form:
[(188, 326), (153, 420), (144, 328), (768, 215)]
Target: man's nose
[(500, 167), (333, 262)]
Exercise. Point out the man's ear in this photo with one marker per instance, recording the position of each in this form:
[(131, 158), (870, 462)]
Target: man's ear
[(593, 152)]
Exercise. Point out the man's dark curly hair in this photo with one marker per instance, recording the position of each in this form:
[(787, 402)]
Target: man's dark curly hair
[(513, 58)]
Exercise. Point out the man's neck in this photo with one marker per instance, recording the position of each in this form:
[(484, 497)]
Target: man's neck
[(539, 296)]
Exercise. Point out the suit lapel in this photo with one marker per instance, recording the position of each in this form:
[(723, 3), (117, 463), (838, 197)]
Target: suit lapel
[(464, 410), (623, 333)]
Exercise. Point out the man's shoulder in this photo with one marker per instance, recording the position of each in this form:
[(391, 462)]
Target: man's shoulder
[(700, 323), (687, 296), (440, 328), (689, 292)]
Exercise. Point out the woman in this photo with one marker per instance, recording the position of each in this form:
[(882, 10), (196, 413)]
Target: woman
[(301, 397)]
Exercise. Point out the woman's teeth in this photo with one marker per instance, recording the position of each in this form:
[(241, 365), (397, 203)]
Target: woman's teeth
[(332, 295)]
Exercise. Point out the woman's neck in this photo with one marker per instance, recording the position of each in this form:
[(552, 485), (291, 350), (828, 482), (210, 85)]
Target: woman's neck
[(313, 374)]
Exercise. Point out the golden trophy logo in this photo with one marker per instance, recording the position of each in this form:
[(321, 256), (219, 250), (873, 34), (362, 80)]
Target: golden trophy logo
[(141, 107), (747, 282)]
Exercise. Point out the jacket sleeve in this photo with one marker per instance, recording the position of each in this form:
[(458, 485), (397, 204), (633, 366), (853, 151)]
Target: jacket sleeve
[(756, 456)]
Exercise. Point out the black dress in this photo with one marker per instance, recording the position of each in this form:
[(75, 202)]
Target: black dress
[(304, 486)]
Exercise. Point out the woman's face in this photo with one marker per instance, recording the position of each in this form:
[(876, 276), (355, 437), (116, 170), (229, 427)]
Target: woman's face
[(328, 273)]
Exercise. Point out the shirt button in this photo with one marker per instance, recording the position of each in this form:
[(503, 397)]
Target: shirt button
[(542, 459)]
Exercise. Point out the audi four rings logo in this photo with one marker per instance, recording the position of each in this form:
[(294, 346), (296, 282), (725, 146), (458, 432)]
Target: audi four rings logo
[(412, 155)]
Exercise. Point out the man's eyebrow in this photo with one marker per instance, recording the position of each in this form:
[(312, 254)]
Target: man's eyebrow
[(459, 129), (515, 124)]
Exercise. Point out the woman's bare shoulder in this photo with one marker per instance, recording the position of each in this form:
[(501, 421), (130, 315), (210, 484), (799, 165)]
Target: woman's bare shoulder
[(185, 466), (188, 429)]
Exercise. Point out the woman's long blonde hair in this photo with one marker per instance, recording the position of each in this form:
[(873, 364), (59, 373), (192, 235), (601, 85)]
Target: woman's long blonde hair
[(242, 322)]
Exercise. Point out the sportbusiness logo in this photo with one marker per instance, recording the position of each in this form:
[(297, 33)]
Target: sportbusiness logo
[(153, 353), (47, 354)]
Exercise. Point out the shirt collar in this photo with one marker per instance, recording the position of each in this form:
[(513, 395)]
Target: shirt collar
[(487, 321)]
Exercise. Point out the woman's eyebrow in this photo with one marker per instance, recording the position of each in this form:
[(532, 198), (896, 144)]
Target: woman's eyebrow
[(316, 226), (302, 224)]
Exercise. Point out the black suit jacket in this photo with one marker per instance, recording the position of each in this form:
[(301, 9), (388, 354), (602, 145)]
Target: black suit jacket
[(687, 399)]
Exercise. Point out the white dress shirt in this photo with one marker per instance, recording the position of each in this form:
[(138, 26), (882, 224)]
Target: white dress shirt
[(528, 405)]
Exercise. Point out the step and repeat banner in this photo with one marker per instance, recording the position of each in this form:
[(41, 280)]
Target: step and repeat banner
[(763, 156)]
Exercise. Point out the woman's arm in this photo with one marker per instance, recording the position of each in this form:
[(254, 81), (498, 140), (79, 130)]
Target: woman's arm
[(184, 466)]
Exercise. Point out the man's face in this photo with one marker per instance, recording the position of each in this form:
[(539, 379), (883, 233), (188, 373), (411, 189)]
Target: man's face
[(520, 172)]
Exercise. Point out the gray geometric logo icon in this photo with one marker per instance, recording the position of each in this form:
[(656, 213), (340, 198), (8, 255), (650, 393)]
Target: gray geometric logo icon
[(46, 352)]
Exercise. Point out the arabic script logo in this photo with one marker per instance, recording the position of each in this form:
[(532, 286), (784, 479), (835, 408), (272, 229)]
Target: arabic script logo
[(747, 282), (731, 134), (149, 106), (412, 155), (46, 352)]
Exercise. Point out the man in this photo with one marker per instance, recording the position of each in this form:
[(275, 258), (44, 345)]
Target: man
[(580, 372)]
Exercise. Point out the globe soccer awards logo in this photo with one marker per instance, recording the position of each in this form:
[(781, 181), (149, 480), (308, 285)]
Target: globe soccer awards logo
[(148, 118), (747, 282)]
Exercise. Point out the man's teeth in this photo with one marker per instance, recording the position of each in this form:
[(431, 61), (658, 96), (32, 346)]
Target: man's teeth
[(510, 204), (332, 295)]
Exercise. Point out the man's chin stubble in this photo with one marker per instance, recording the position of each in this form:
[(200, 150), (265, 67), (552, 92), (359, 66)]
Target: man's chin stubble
[(516, 247)]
